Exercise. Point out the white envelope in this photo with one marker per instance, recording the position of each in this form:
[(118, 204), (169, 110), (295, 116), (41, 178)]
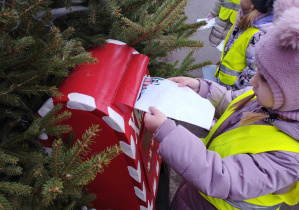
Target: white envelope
[(180, 103)]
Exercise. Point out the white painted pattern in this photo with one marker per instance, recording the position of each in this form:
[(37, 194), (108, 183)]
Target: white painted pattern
[(141, 193), (157, 168), (129, 149), (154, 186), (43, 136), (150, 206), (46, 107), (85, 208), (135, 174), (113, 41), (81, 101), (48, 150), (115, 120)]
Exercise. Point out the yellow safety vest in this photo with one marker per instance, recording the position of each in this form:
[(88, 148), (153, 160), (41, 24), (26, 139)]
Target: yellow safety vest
[(229, 9), (252, 139), (234, 62)]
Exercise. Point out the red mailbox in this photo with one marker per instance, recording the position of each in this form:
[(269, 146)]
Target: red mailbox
[(104, 93)]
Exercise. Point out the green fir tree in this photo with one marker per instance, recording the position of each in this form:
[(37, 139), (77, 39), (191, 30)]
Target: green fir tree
[(40, 42)]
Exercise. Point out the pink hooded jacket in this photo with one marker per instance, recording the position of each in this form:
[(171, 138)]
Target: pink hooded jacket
[(233, 178)]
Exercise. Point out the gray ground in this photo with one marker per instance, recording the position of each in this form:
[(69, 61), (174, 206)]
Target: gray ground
[(197, 9)]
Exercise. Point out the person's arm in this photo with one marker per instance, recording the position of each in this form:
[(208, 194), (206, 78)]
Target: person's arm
[(218, 95), (216, 8), (236, 177)]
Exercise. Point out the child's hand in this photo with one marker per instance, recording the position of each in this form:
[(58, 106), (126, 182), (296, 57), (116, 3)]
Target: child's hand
[(154, 119), (210, 16), (192, 83)]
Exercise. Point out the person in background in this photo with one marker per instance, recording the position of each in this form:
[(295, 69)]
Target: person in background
[(237, 60), (225, 13), (250, 158)]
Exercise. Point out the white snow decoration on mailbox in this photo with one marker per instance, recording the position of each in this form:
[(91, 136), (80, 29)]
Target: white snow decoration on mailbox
[(113, 41), (47, 106), (140, 193), (129, 149), (115, 121), (154, 186), (150, 206), (81, 101), (43, 136), (157, 168), (135, 173)]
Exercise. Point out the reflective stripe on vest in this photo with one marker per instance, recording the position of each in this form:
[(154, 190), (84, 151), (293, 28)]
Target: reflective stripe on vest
[(248, 206), (229, 10), (252, 139), (234, 62), (231, 5), (228, 71)]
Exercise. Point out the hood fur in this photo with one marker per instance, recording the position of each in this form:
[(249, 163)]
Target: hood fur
[(281, 5)]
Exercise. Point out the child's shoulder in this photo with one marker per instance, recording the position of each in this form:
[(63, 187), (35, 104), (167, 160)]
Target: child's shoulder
[(256, 38)]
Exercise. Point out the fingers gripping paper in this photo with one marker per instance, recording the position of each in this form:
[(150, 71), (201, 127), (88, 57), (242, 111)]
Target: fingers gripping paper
[(180, 103)]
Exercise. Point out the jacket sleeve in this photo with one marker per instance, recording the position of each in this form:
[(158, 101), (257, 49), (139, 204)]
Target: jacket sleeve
[(216, 9), (236, 177), (218, 95)]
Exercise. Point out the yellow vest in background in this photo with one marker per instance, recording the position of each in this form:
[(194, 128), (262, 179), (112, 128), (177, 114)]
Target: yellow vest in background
[(252, 139), (229, 9), (234, 62)]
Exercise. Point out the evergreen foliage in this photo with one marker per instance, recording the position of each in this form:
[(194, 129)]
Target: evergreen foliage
[(40, 42)]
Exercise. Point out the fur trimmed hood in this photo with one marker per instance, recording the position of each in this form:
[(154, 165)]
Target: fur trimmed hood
[(281, 5)]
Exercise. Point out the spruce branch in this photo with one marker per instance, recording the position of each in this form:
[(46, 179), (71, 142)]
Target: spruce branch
[(30, 8), (71, 206), (115, 10), (164, 47), (13, 87), (57, 40), (200, 65), (57, 130), (136, 26), (49, 120), (133, 5), (6, 14), (51, 189), (184, 43), (38, 173), (46, 18), (15, 188), (86, 171), (172, 15), (80, 148), (27, 157), (11, 100), (185, 64), (4, 203), (6, 42), (22, 44), (11, 170), (8, 159), (57, 156)]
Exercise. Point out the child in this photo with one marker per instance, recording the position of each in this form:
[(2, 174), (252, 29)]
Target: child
[(237, 60), (250, 158), (225, 13)]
